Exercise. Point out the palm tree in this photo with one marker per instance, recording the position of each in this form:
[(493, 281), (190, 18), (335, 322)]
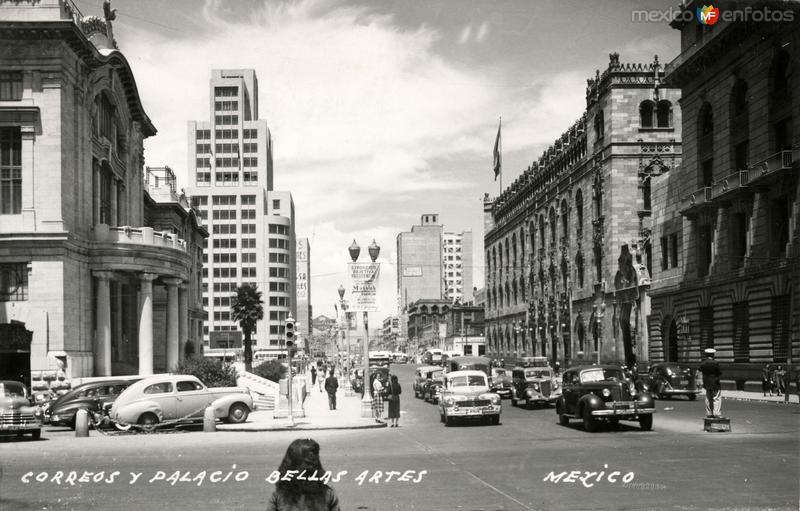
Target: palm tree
[(247, 308)]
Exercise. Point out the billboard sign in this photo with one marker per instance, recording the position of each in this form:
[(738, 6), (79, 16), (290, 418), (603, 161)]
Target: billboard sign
[(363, 280)]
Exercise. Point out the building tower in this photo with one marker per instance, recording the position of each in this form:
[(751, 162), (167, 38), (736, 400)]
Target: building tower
[(251, 226)]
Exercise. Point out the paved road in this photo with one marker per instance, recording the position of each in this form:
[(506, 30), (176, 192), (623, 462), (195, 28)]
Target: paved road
[(505, 467)]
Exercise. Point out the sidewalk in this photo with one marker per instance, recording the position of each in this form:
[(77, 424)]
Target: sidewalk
[(741, 395), (346, 416)]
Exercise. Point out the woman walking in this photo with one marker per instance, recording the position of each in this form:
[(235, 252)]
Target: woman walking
[(377, 397), (293, 493), (394, 402)]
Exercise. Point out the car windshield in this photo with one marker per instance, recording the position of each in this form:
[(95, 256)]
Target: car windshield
[(11, 389), (600, 374), (465, 381), (435, 374), (499, 372), (537, 373)]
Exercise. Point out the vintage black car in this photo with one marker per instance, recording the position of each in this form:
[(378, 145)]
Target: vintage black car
[(500, 382), (667, 379), (432, 389), (534, 386), (92, 396), (423, 375), (601, 392)]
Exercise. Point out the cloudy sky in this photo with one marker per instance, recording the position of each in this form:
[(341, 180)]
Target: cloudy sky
[(382, 110)]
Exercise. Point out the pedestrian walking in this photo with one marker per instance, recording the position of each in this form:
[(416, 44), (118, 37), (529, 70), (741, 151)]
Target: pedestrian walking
[(780, 380), (313, 375), (377, 397), (331, 386), (766, 380), (323, 372), (711, 382), (293, 493), (394, 392)]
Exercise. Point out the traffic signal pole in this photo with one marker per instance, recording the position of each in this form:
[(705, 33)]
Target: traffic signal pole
[(289, 345)]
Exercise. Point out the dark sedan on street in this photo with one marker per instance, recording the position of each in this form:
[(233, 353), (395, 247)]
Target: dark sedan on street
[(602, 392), (667, 379), (92, 395)]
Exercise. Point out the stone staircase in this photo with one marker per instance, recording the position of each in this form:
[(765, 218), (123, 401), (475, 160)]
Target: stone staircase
[(263, 391)]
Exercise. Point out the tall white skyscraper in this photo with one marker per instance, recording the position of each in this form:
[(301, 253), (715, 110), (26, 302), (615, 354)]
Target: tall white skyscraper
[(251, 227)]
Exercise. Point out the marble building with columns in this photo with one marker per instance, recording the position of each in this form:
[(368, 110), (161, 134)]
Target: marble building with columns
[(99, 269)]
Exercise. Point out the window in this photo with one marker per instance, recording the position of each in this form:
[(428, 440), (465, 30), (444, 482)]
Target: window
[(707, 172), (10, 85), (741, 155), (105, 195), (741, 332), (226, 134), (202, 163), (646, 111), (249, 134), (13, 282), (223, 200), (704, 240), (664, 253), (782, 131), (250, 148), (248, 228), (226, 92), (664, 114), (599, 126), (738, 239), (159, 388), (249, 272), (276, 204), (226, 120), (780, 76), (779, 226), (203, 134), (646, 193), (706, 327), (202, 148), (248, 200), (673, 253), (10, 171), (250, 161), (188, 386), (226, 106)]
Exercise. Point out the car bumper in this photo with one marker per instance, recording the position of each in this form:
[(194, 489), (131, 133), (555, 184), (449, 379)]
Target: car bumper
[(623, 412), (26, 428), (473, 411), (504, 393), (681, 392)]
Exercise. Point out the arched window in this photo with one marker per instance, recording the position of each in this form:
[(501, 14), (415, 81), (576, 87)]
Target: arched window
[(552, 226), (646, 111), (780, 75), (740, 125), (541, 233), (664, 114), (532, 229), (599, 125), (564, 221), (579, 213), (514, 252), (780, 102), (521, 248)]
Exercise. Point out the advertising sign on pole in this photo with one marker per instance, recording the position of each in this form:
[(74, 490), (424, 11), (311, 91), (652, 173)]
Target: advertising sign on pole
[(363, 280)]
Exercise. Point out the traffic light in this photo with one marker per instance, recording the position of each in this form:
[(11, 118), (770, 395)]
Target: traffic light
[(290, 334)]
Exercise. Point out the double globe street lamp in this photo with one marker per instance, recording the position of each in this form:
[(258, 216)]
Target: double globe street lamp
[(374, 250)]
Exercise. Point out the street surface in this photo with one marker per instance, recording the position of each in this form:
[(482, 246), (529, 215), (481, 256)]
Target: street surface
[(466, 467)]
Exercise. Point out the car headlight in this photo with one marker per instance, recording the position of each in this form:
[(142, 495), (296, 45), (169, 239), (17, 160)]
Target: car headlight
[(536, 387), (606, 393), (54, 418), (555, 385), (495, 399), (632, 388)]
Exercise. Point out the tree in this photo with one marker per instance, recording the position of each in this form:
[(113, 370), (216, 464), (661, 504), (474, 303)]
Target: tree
[(247, 308)]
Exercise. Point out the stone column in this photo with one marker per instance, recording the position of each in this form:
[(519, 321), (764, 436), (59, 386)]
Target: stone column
[(118, 324), (146, 323), (28, 211), (102, 353), (114, 220), (183, 323), (173, 341)]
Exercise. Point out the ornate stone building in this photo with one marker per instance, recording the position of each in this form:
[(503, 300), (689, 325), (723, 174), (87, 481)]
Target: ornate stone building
[(568, 244), (79, 261), (727, 240)]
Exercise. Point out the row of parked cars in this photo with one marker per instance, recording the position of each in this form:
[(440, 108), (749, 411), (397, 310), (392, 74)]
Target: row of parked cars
[(122, 403)]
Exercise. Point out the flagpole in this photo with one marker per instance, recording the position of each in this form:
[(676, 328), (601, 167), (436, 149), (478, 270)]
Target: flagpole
[(500, 152)]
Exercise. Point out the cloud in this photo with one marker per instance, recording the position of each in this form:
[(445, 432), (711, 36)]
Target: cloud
[(483, 31), (355, 126), (465, 33)]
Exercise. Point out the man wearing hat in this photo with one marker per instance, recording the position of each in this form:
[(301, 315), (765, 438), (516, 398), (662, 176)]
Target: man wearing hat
[(711, 375)]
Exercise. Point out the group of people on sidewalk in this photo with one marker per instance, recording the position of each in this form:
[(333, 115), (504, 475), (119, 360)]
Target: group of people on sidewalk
[(330, 383), (388, 391)]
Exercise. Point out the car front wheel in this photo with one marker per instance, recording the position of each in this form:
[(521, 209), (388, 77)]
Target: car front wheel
[(692, 397), (448, 421), (589, 422), (646, 422), (238, 413), (148, 422), (36, 435), (562, 419)]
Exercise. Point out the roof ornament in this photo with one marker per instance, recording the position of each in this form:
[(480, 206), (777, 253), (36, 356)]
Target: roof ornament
[(110, 15), (656, 81)]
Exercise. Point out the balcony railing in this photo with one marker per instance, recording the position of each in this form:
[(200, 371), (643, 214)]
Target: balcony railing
[(139, 236), (731, 183), (697, 198)]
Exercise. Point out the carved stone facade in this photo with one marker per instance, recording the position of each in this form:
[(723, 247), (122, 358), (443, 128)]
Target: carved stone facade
[(74, 228), (727, 220), (554, 235)]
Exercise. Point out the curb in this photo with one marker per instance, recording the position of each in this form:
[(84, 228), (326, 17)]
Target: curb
[(754, 400), (302, 427)]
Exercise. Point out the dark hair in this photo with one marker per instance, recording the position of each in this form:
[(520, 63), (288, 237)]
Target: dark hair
[(394, 378), (302, 454)]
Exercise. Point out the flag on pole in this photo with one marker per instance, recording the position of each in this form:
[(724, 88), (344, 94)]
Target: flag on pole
[(498, 159)]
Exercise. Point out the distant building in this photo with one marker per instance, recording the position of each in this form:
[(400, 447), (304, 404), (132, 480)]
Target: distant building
[(727, 221), (99, 267), (419, 261), (303, 257), (252, 226), (391, 334)]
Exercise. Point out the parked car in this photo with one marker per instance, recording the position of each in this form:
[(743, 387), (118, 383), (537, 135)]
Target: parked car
[(357, 381), (533, 386), (500, 382), (432, 389), (601, 392), (421, 375), (668, 379), (16, 410), (466, 395), (157, 399), (462, 363), (92, 396)]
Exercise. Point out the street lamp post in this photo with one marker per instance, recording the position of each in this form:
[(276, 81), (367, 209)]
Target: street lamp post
[(599, 314), (366, 401), (348, 388)]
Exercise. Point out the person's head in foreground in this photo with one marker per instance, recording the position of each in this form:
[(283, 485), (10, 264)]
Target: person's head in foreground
[(301, 491)]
